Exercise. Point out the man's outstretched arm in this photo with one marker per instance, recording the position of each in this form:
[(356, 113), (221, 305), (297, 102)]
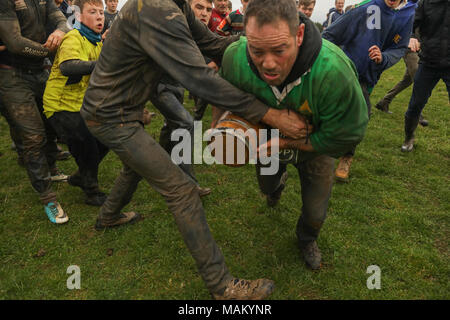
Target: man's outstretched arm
[(179, 55)]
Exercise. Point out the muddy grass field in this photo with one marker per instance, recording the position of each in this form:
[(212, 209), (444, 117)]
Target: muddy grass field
[(394, 214)]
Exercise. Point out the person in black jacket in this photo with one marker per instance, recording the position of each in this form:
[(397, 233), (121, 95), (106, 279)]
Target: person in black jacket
[(432, 22)]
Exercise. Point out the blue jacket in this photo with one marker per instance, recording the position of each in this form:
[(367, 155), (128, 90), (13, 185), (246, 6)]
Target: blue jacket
[(332, 16), (361, 28)]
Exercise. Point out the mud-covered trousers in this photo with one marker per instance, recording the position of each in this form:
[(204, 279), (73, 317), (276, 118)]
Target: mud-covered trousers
[(316, 180), (15, 137), (21, 93), (143, 157)]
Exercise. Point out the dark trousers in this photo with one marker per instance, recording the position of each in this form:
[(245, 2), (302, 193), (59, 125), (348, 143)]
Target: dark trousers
[(143, 157), (366, 93), (411, 60), (21, 94), (200, 108), (13, 131), (424, 82), (169, 101), (316, 179), (87, 151)]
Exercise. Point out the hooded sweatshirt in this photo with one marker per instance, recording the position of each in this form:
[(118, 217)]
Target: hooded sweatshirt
[(332, 16), (322, 86), (371, 23)]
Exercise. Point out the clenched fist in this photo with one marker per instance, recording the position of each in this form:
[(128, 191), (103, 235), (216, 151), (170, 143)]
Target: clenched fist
[(290, 123)]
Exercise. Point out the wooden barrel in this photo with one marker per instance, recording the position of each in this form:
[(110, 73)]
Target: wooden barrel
[(239, 140)]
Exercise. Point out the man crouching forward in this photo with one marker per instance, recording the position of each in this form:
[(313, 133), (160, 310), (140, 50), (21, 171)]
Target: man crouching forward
[(285, 63)]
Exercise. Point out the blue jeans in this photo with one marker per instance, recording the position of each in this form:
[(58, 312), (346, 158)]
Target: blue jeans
[(424, 82)]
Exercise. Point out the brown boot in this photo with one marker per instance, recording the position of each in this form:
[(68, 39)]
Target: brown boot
[(124, 218), (203, 191), (147, 117), (240, 289), (343, 169)]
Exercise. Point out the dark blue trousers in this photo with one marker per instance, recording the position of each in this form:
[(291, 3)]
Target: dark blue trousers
[(424, 82)]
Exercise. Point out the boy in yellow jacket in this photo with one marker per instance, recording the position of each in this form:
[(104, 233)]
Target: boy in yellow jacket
[(74, 62)]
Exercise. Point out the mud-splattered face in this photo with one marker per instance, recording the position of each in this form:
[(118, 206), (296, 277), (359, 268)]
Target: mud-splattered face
[(273, 49)]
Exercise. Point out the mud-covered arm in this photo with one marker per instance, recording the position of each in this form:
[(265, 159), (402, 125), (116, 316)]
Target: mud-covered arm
[(178, 54), (72, 68), (11, 35), (209, 43), (56, 18)]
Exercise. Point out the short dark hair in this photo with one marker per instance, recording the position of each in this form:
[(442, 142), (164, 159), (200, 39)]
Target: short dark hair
[(268, 11), (306, 3), (80, 3), (210, 1)]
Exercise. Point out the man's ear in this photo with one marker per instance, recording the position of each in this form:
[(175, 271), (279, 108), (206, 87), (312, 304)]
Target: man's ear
[(300, 34)]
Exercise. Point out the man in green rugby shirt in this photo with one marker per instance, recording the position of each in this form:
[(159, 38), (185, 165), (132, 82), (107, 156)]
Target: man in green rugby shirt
[(285, 63)]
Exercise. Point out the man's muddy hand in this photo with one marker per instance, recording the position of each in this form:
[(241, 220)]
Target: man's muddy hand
[(290, 123)]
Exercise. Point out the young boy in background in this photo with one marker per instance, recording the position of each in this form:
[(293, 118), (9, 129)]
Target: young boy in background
[(74, 62), (110, 13), (307, 7)]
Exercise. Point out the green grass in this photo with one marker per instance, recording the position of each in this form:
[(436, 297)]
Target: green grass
[(394, 213)]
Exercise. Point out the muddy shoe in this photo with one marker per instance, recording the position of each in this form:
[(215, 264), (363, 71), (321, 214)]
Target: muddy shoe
[(343, 169), (203, 191), (423, 122), (240, 289), (408, 145), (75, 180), (311, 254), (124, 218), (57, 176), (274, 198)]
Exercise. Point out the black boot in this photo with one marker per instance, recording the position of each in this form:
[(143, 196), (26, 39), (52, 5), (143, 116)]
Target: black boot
[(410, 127), (423, 122)]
